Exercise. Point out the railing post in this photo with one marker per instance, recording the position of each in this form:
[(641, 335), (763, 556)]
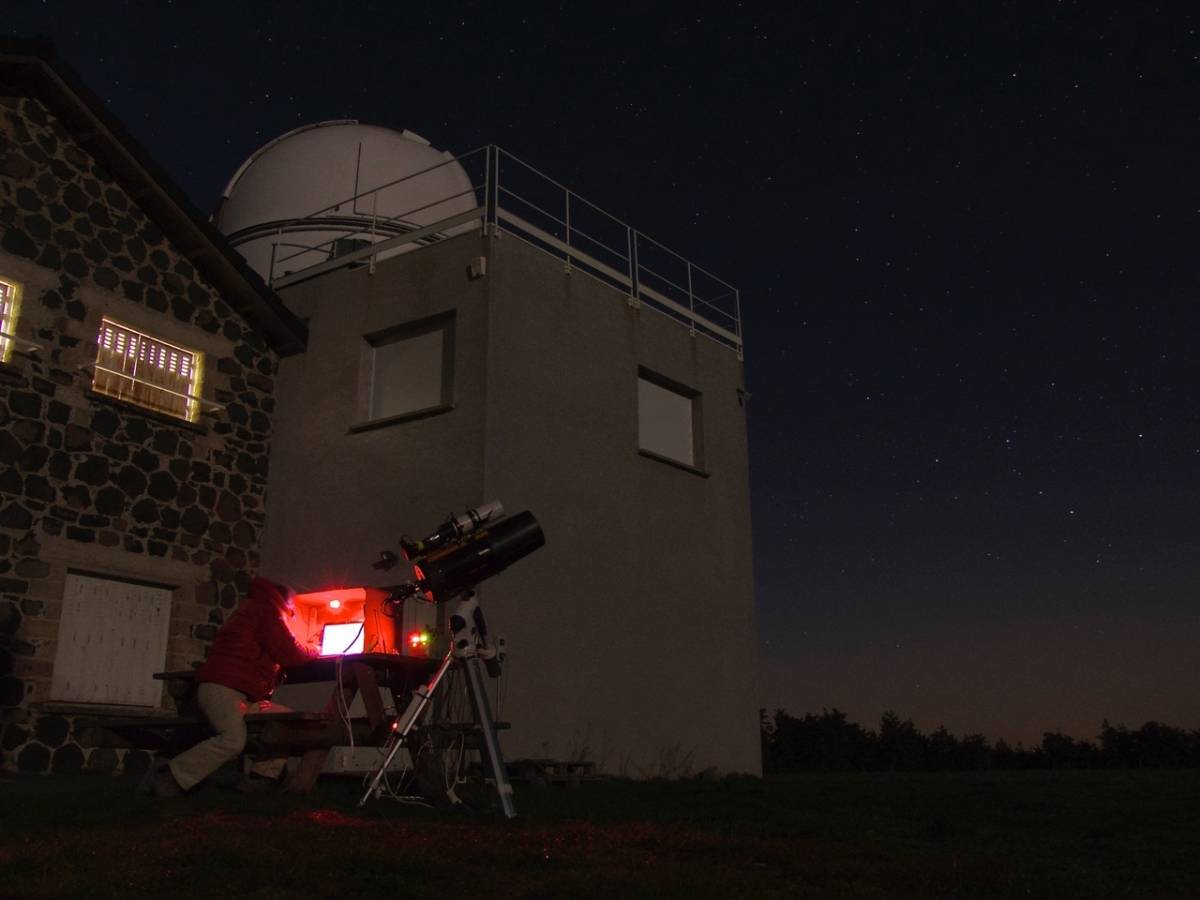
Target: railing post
[(274, 248), (691, 304), (496, 195), (374, 212), (567, 194), (487, 187), (631, 237), (737, 310)]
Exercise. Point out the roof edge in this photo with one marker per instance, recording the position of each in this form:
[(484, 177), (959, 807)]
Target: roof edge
[(34, 65)]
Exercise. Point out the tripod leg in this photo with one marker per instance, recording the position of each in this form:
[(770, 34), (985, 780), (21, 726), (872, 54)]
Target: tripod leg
[(490, 741), (403, 725)]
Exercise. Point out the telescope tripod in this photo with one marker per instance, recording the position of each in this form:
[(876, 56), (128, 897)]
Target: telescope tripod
[(469, 648)]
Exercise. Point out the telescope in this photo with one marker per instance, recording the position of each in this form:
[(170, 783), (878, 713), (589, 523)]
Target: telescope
[(463, 551)]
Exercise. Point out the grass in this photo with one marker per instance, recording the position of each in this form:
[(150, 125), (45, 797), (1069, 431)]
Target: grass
[(1041, 834)]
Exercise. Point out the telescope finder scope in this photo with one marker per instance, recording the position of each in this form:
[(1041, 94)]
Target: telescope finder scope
[(453, 529)]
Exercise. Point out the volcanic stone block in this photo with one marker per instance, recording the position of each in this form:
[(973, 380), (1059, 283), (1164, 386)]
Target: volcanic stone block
[(107, 278), (163, 486), (75, 199), (10, 448), (15, 516), (137, 430), (14, 736), (103, 759), (78, 438), (28, 431), (75, 265), (110, 501), (60, 466), (32, 568), (229, 507), (77, 496), (52, 730), (105, 422), (33, 457), (10, 617), (58, 413), (194, 520), (146, 461), (25, 403), (39, 488), (68, 758), (34, 757), (93, 470), (165, 441), (19, 243), (132, 481)]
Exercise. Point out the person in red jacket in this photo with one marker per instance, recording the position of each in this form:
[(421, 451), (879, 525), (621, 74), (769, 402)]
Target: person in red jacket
[(238, 677)]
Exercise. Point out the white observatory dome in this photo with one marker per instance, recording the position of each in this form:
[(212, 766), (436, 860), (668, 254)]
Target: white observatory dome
[(333, 187)]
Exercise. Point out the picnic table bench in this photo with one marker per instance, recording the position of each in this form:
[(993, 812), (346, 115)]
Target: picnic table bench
[(311, 735)]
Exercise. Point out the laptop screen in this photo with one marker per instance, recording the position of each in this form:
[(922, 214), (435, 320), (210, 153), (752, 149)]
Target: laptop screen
[(344, 637)]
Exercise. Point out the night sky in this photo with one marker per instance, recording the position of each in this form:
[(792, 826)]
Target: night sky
[(963, 237)]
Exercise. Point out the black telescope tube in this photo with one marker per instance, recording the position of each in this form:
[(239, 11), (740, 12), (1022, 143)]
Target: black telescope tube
[(489, 552)]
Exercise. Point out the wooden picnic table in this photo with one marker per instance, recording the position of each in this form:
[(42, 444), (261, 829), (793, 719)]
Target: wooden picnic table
[(314, 734)]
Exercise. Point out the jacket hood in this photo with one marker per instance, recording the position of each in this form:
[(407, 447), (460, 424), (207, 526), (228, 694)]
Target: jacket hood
[(263, 590)]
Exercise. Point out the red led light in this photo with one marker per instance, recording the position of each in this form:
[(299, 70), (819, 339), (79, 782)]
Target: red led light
[(418, 641), (417, 571), (335, 603)]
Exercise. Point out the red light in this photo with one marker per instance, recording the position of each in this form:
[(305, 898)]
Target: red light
[(418, 641), (335, 603), (417, 571)]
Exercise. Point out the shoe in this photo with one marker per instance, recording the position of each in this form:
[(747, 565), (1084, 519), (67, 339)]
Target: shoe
[(165, 784)]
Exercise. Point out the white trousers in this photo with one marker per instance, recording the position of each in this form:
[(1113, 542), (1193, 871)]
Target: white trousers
[(225, 709)]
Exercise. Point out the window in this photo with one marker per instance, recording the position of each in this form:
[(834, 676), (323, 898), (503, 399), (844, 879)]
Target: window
[(10, 308), (148, 372), (112, 638), (668, 419), (411, 368)]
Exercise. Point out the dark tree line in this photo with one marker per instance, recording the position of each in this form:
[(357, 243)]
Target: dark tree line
[(830, 743)]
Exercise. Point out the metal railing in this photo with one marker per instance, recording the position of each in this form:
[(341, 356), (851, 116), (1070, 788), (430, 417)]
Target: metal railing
[(510, 196)]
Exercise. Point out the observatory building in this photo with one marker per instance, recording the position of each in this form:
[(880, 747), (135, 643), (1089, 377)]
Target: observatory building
[(369, 335), (476, 331)]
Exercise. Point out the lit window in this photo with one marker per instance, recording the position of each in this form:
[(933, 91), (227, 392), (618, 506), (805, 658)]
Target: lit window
[(148, 372), (10, 308), (412, 368), (668, 419)]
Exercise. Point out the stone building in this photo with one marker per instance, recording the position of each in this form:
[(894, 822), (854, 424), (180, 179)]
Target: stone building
[(137, 381)]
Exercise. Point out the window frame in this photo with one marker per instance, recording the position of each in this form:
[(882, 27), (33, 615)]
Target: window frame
[(697, 465), (8, 318), (443, 322), (193, 396)]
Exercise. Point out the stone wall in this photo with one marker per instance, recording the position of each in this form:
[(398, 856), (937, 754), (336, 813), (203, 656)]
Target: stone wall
[(87, 482)]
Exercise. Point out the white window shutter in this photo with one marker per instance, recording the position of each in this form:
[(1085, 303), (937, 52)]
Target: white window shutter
[(112, 638)]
